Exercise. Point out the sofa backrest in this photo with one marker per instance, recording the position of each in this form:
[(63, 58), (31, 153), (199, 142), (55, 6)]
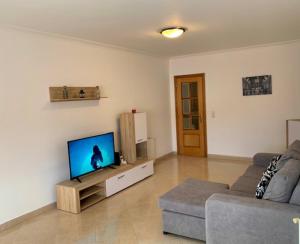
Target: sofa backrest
[(294, 150)]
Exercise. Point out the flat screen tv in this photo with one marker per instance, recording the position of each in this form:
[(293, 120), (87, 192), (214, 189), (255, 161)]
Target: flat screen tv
[(89, 154)]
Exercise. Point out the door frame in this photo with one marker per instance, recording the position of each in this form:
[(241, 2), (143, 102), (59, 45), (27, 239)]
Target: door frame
[(202, 75)]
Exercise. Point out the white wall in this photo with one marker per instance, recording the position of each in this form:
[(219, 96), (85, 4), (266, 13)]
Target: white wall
[(245, 125), (34, 132)]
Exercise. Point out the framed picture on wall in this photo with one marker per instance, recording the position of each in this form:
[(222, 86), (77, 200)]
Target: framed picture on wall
[(257, 85)]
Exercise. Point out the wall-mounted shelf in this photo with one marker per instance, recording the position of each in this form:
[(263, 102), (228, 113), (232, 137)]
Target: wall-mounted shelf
[(67, 93)]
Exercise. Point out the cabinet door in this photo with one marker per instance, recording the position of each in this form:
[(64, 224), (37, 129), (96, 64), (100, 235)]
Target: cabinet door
[(144, 170), (119, 182), (140, 124)]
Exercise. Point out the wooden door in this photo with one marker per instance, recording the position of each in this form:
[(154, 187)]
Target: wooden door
[(191, 115)]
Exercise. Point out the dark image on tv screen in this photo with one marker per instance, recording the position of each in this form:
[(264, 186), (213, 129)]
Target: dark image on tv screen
[(90, 154)]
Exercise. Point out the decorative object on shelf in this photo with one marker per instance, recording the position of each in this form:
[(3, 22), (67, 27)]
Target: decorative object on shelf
[(123, 161), (133, 110), (81, 93), (67, 93), (257, 85), (98, 92)]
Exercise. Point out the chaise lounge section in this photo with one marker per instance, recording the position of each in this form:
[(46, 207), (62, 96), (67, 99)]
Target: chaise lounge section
[(184, 207), (214, 213)]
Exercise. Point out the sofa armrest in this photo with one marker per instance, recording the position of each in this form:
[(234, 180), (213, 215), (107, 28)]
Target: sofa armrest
[(263, 159), (235, 220)]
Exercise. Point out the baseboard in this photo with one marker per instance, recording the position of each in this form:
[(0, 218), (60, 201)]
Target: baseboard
[(212, 156), (165, 156), (228, 157), (27, 216)]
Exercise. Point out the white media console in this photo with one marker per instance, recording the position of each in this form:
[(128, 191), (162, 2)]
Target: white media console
[(73, 196), (128, 178)]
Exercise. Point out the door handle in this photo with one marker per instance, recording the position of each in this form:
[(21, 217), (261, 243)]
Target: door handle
[(120, 177)]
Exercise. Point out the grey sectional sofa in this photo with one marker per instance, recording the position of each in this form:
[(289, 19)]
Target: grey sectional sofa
[(213, 212)]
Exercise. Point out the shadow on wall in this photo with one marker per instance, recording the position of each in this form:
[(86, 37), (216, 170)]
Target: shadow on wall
[(71, 105)]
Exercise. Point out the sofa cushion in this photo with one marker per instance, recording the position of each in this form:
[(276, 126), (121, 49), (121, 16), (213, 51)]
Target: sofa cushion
[(254, 171), (245, 184), (283, 183), (266, 177), (294, 150), (283, 160), (190, 196), (295, 198)]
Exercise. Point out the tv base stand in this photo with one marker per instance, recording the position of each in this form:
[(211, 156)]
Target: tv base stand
[(78, 179), (73, 196)]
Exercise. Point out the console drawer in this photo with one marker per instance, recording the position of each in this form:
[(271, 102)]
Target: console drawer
[(144, 170), (125, 179), (119, 182)]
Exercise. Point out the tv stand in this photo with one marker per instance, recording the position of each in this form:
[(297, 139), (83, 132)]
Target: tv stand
[(73, 196), (78, 179)]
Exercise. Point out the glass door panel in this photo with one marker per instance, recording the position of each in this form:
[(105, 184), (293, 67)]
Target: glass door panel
[(190, 108), (194, 106), (186, 106), (187, 122), (195, 122), (194, 89), (185, 90)]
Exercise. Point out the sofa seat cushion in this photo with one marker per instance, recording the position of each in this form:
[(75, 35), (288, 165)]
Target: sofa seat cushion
[(190, 197), (254, 171), (245, 184)]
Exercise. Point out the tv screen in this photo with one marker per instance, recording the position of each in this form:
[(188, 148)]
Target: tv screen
[(90, 154)]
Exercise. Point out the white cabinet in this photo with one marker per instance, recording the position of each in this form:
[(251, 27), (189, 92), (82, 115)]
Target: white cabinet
[(134, 136), (128, 178), (140, 126)]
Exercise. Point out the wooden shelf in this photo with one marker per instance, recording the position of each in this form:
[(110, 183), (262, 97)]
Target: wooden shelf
[(67, 93), (91, 191), (73, 99), (85, 203)]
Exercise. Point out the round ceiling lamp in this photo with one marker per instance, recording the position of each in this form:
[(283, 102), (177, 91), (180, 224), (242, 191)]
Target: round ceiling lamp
[(173, 32)]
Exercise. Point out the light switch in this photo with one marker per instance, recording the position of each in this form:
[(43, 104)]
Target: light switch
[(213, 114)]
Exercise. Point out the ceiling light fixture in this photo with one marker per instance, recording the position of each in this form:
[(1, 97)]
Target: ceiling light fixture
[(173, 32)]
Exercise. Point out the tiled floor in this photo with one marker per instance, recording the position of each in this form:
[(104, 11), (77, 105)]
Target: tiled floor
[(132, 216)]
